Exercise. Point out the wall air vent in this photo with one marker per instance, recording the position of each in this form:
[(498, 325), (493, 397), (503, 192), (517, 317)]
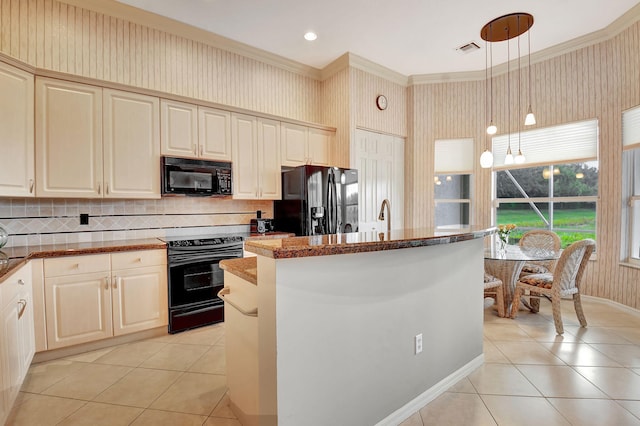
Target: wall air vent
[(469, 47)]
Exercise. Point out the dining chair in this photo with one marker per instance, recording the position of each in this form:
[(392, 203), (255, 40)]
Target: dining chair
[(493, 288), (564, 281), (543, 239)]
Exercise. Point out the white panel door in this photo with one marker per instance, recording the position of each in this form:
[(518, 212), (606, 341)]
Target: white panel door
[(131, 145), (270, 180), (179, 134), (380, 162), (68, 139), (17, 177), (139, 299), (214, 134), (245, 156)]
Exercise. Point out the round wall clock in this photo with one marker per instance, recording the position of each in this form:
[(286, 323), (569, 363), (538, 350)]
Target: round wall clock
[(381, 102)]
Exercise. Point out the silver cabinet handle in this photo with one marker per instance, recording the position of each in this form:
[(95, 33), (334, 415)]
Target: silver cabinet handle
[(31, 184), (115, 282), (106, 188), (99, 188), (201, 150), (195, 149), (222, 294), (107, 280), (22, 307), (21, 281)]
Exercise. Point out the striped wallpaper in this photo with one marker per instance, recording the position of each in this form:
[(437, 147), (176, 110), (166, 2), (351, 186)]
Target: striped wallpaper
[(598, 81)]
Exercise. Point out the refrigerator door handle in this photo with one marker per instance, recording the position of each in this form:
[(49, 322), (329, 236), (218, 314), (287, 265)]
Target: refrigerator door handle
[(330, 201)]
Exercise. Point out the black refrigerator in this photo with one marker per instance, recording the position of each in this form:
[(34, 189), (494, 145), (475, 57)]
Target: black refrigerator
[(318, 200)]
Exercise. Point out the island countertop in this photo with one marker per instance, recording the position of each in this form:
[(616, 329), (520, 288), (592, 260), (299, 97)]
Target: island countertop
[(360, 242)]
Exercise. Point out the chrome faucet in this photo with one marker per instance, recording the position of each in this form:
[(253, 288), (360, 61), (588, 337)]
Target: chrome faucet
[(385, 202)]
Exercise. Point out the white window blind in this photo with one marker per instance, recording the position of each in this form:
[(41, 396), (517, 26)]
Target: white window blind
[(567, 143), (454, 156), (631, 128)]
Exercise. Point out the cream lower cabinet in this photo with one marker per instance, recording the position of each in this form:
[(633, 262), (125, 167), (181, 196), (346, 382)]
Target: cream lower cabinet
[(17, 344), (17, 176), (256, 158), (305, 145), (94, 297)]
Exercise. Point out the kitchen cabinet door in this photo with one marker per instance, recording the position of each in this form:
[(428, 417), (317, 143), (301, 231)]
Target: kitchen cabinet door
[(245, 157), (78, 308), (214, 134), (17, 177), (68, 139), (179, 129), (139, 299), (294, 145), (269, 178), (320, 142), (131, 145), (16, 335)]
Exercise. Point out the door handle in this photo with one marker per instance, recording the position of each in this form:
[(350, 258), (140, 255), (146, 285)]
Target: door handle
[(107, 280), (195, 149), (222, 294), (31, 184), (106, 188), (99, 188), (22, 307), (114, 283)]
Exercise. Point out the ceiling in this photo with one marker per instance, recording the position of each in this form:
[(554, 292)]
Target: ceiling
[(411, 37)]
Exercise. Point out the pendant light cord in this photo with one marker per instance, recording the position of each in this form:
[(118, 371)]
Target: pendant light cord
[(519, 87)]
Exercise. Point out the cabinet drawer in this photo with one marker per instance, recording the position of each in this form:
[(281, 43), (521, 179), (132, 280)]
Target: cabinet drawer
[(18, 282), (138, 259), (76, 265)]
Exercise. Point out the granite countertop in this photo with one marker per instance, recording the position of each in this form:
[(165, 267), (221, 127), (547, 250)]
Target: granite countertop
[(18, 256), (269, 236), (244, 267), (359, 242)]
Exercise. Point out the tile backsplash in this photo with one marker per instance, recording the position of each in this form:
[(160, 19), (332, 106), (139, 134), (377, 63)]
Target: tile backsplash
[(48, 221)]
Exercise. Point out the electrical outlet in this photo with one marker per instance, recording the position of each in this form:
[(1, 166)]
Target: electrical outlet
[(418, 343), (84, 218)]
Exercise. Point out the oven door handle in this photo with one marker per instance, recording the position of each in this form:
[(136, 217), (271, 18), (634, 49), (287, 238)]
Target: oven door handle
[(197, 311), (224, 295)]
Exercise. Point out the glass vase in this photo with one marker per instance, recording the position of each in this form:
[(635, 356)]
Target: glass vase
[(502, 242)]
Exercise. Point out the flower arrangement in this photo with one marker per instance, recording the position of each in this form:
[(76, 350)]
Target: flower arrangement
[(503, 233)]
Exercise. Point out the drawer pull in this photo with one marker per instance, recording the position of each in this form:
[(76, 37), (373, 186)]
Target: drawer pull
[(21, 281), (31, 186), (139, 260), (115, 283), (107, 280), (22, 307)]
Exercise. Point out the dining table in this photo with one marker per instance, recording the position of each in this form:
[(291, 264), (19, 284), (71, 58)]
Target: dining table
[(506, 264)]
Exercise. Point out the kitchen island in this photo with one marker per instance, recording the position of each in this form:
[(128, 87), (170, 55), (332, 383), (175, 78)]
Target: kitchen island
[(332, 336)]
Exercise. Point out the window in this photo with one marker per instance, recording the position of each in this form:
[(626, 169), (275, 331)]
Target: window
[(453, 163), (556, 188), (631, 186)]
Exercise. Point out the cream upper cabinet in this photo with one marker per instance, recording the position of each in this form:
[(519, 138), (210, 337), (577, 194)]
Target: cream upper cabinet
[(179, 129), (131, 124), (95, 143), (17, 177), (99, 296), (320, 143), (270, 180), (244, 133), (194, 131), (305, 145), (68, 139), (16, 334), (256, 165), (214, 134)]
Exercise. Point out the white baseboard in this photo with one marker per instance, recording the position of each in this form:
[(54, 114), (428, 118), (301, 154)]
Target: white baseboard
[(610, 302), (430, 394)]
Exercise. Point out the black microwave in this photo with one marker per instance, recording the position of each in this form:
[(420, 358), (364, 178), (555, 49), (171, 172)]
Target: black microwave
[(195, 177)]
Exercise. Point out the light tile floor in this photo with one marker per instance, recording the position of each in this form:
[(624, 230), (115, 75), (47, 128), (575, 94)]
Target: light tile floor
[(531, 376)]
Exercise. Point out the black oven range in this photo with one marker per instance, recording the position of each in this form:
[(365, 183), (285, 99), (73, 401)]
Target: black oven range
[(195, 278)]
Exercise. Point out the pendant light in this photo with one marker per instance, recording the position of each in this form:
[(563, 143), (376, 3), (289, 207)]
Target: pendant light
[(504, 28), (530, 119), (519, 158), (486, 159)]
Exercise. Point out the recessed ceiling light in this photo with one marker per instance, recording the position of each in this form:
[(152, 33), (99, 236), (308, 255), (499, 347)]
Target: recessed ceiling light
[(310, 36)]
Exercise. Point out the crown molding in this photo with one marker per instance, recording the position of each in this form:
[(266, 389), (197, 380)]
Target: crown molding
[(180, 29), (341, 63), (616, 27), (370, 67)]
